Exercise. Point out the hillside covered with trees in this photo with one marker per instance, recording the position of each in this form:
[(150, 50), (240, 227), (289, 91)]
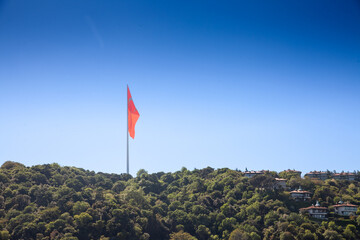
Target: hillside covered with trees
[(53, 202)]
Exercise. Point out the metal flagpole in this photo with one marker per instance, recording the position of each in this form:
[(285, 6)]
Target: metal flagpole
[(127, 130)]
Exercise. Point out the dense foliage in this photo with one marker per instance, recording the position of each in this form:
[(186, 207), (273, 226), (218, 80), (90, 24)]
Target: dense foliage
[(53, 202)]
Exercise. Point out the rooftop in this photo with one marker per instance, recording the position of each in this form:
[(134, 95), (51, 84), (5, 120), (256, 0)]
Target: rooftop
[(300, 191), (317, 172), (345, 205), (317, 206), (256, 172), (344, 174), (314, 207)]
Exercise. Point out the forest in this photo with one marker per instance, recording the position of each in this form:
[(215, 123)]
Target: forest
[(50, 201)]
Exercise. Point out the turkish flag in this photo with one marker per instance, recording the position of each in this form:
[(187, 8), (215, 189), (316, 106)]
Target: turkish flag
[(133, 114)]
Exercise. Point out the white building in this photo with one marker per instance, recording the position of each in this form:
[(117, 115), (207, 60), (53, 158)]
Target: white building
[(280, 183), (315, 211), (251, 174), (318, 175), (300, 195), (345, 209), (344, 176)]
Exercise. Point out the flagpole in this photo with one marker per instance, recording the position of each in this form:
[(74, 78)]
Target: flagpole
[(127, 131)]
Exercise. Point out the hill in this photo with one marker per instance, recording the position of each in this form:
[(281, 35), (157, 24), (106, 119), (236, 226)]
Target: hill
[(53, 202)]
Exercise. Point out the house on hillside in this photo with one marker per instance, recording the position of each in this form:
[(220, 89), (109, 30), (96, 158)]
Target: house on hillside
[(344, 176), (251, 174), (300, 195), (280, 183), (322, 175), (345, 209), (315, 211)]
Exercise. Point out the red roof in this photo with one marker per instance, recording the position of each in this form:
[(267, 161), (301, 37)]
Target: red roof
[(345, 205), (300, 191), (317, 172), (313, 207), (344, 174)]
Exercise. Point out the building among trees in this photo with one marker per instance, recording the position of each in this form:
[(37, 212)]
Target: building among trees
[(344, 176), (252, 173), (315, 211), (345, 209), (322, 175), (280, 183), (300, 195)]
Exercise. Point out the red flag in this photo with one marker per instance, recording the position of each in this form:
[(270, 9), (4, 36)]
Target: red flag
[(133, 114)]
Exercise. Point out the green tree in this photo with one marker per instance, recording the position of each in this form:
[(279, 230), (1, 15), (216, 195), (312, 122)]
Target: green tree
[(119, 186), (287, 236), (4, 235), (263, 182), (332, 235), (182, 236), (83, 219), (80, 207), (203, 232), (350, 232), (309, 236), (239, 235)]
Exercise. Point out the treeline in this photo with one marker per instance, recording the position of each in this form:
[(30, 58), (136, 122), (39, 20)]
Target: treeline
[(49, 202)]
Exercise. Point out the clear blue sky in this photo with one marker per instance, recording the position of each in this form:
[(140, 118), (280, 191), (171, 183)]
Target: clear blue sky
[(257, 84)]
